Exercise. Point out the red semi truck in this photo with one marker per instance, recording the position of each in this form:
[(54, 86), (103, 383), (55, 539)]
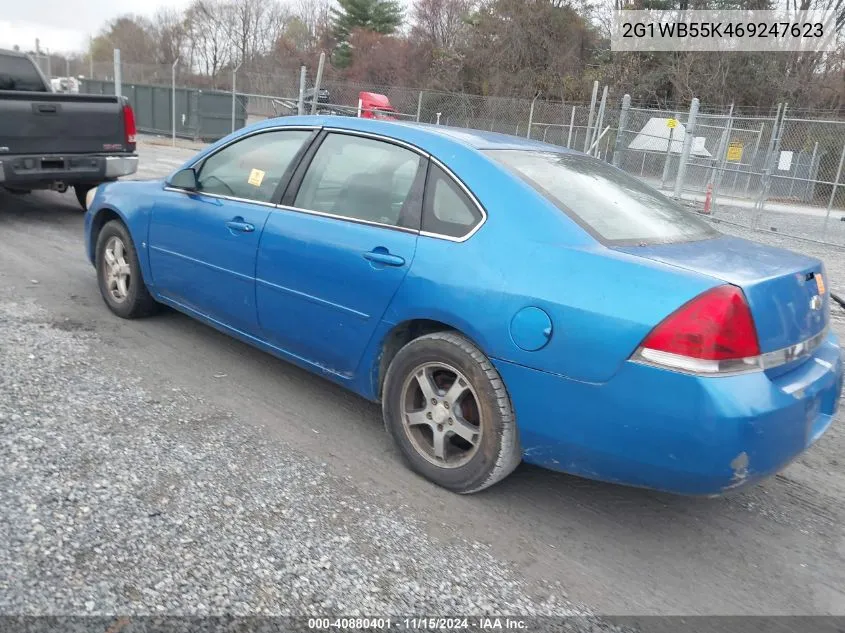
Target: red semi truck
[(372, 105)]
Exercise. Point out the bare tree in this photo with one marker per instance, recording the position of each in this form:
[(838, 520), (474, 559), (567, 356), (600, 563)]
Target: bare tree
[(316, 16), (131, 34), (209, 39), (442, 23), (171, 34), (252, 26)]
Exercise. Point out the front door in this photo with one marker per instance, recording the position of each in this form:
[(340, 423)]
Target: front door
[(203, 244)]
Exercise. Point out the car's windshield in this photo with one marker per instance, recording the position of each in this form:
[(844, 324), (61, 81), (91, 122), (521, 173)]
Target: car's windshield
[(610, 203)]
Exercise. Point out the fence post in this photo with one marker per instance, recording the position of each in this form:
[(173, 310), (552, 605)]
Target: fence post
[(721, 164), (812, 174), (599, 120), (316, 96), (419, 106), (833, 191), (754, 157), (571, 124), (687, 147), (623, 125), (234, 93), (774, 146), (667, 162), (173, 100), (592, 113), (117, 88), (531, 114), (300, 103)]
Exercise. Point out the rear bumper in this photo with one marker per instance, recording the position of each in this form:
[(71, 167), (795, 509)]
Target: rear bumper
[(39, 170), (674, 432)]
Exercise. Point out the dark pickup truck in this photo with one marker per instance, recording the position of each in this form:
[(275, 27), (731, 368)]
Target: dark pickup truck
[(54, 140)]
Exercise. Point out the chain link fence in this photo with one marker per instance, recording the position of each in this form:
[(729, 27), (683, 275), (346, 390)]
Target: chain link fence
[(780, 171)]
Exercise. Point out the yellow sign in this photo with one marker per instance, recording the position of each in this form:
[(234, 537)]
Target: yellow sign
[(256, 177), (671, 123), (735, 152), (820, 283)]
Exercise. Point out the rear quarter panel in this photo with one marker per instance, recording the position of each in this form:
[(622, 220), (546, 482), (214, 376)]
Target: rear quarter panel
[(602, 303)]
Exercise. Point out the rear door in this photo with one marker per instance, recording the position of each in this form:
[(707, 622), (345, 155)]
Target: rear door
[(203, 244), (332, 258)]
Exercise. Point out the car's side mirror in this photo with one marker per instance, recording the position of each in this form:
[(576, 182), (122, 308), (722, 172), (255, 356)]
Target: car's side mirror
[(185, 179)]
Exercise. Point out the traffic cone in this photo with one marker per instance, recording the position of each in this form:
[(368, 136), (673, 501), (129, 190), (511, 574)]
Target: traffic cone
[(708, 199)]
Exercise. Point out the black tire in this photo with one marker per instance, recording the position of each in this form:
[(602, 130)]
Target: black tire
[(137, 302), (498, 449), (82, 191)]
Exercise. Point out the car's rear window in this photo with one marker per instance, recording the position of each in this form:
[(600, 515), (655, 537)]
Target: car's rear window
[(18, 73), (608, 202)]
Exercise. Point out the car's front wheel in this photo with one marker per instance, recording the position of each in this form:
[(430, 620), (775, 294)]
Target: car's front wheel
[(119, 274), (448, 410)]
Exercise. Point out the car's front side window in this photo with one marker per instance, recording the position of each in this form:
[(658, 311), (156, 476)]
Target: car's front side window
[(253, 167), (362, 179)]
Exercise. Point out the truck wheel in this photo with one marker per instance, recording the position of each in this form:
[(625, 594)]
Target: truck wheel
[(81, 192), (119, 274), (448, 410)]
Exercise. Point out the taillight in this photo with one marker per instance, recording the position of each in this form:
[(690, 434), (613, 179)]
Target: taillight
[(712, 334), (129, 130)]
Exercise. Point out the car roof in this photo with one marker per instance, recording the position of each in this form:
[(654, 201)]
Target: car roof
[(427, 136), (9, 53)]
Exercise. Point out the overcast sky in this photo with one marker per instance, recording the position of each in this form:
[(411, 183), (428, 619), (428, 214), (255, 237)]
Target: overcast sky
[(65, 25)]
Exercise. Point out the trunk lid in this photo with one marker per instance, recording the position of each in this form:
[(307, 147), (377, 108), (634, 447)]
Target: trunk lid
[(787, 292)]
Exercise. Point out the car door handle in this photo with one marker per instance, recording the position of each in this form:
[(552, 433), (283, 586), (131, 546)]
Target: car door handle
[(384, 257), (238, 224)]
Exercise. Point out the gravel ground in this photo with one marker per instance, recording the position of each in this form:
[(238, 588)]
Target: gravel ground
[(116, 500)]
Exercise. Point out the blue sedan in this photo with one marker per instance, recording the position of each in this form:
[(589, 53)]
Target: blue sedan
[(503, 299)]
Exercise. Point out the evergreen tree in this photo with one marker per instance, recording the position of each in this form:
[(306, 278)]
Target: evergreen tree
[(381, 16)]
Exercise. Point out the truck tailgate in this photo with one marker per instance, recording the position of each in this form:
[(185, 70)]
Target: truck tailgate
[(56, 123)]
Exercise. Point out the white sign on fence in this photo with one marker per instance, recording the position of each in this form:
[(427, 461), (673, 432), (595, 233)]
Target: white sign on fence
[(785, 161)]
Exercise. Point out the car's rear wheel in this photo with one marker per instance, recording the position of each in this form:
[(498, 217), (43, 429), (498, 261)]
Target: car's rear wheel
[(119, 275), (448, 410)]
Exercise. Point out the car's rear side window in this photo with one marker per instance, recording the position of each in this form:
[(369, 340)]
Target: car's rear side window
[(19, 73), (362, 179), (447, 210), (611, 204)]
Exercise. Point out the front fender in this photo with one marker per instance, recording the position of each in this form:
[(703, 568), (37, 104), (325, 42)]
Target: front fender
[(131, 202)]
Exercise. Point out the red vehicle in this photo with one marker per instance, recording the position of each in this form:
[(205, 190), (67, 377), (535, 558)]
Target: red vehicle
[(372, 105)]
